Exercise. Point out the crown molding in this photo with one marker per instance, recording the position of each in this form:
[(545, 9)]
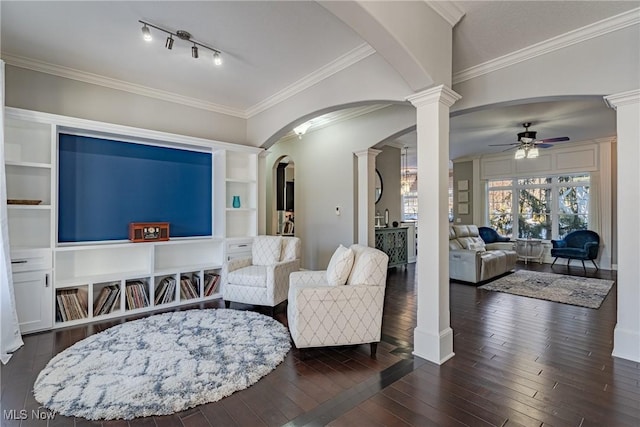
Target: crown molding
[(85, 77), (348, 59), (597, 29), (624, 98), (448, 10)]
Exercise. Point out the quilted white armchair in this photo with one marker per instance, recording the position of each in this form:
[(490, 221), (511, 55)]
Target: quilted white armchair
[(342, 305), (262, 279)]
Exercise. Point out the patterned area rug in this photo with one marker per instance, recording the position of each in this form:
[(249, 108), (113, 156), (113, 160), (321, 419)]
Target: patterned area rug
[(162, 364), (574, 290)]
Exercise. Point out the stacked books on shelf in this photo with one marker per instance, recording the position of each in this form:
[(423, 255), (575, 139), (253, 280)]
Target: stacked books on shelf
[(136, 293), (189, 287), (108, 300), (165, 290), (211, 281), (71, 304)]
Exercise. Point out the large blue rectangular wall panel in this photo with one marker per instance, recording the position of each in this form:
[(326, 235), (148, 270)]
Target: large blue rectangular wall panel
[(105, 184)]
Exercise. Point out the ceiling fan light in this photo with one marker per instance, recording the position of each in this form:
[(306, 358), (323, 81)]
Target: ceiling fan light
[(533, 153), (520, 153), (146, 33)]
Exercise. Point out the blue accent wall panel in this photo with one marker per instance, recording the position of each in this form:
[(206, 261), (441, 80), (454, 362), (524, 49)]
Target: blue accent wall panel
[(105, 184)]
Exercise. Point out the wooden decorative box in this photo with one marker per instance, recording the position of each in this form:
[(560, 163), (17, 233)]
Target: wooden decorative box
[(148, 231)]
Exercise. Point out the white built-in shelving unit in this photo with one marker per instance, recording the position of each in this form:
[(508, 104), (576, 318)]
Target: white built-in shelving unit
[(99, 280)]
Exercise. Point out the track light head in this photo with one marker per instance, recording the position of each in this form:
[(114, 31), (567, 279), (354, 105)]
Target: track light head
[(194, 51), (169, 43), (146, 33), (217, 59)]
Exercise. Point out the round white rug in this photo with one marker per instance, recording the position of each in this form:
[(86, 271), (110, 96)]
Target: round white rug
[(162, 364)]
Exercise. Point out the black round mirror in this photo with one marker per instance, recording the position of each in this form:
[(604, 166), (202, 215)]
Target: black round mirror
[(378, 193)]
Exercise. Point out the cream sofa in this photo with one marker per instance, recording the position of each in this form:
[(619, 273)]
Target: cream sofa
[(471, 260)]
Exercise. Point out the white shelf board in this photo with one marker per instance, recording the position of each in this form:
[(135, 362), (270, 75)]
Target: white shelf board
[(29, 207), (28, 164), (71, 282), (185, 269)]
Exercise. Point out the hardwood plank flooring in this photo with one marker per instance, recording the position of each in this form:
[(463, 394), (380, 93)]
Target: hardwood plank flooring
[(519, 362)]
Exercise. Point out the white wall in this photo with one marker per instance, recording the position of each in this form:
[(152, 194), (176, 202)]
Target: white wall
[(33, 90), (326, 177)]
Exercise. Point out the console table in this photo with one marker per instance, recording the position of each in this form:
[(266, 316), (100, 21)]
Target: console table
[(393, 242), (529, 249)]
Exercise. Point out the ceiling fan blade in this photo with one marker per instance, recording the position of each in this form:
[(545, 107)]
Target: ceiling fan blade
[(559, 139), (499, 145), (544, 145)]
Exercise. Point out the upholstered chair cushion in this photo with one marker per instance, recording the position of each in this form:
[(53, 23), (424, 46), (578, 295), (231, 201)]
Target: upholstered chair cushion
[(291, 248), (340, 266), (369, 267), (266, 250)]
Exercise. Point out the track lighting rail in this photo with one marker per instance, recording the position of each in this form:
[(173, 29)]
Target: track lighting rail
[(182, 35)]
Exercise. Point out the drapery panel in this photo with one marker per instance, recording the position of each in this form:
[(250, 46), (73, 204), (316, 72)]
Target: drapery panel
[(10, 338)]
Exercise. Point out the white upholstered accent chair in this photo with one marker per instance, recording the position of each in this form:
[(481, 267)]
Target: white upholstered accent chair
[(262, 279), (322, 314)]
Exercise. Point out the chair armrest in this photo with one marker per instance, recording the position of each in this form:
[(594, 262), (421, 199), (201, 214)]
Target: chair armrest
[(308, 278), (464, 255), (503, 246), (592, 249), (278, 278), (556, 244), (233, 265)]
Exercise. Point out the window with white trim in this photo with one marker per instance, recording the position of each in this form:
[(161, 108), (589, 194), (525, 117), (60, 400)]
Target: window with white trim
[(539, 207)]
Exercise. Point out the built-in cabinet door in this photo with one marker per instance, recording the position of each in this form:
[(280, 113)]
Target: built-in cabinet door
[(34, 300)]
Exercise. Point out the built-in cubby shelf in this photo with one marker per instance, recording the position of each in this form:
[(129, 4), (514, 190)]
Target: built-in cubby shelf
[(85, 281)]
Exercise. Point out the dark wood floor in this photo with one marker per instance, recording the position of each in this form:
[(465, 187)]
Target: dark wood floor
[(519, 361)]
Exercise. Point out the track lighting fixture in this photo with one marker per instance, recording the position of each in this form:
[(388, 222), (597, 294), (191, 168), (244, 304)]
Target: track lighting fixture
[(146, 33), (182, 35)]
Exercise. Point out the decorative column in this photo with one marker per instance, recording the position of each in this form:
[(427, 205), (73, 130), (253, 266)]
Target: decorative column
[(366, 196), (433, 336), (626, 335), (262, 192)]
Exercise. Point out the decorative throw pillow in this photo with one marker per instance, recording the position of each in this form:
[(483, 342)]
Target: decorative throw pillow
[(340, 266), (266, 250)]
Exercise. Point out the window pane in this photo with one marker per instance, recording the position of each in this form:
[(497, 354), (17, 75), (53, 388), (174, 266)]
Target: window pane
[(574, 200), (410, 207), (534, 181), (576, 178), (501, 183), (568, 223), (500, 211), (534, 213)]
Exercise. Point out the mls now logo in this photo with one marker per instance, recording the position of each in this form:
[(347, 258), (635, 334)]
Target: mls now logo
[(36, 414)]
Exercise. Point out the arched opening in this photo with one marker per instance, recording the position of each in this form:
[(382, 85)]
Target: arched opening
[(282, 221)]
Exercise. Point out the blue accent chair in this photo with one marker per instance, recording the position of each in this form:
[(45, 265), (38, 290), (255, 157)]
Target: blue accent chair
[(489, 235), (579, 244)]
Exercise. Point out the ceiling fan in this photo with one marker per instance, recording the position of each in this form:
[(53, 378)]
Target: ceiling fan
[(527, 145)]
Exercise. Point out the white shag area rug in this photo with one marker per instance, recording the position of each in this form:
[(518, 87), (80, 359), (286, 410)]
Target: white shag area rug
[(162, 364)]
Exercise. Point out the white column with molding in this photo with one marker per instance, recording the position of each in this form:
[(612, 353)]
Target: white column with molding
[(366, 196), (626, 335), (262, 192), (433, 336)]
